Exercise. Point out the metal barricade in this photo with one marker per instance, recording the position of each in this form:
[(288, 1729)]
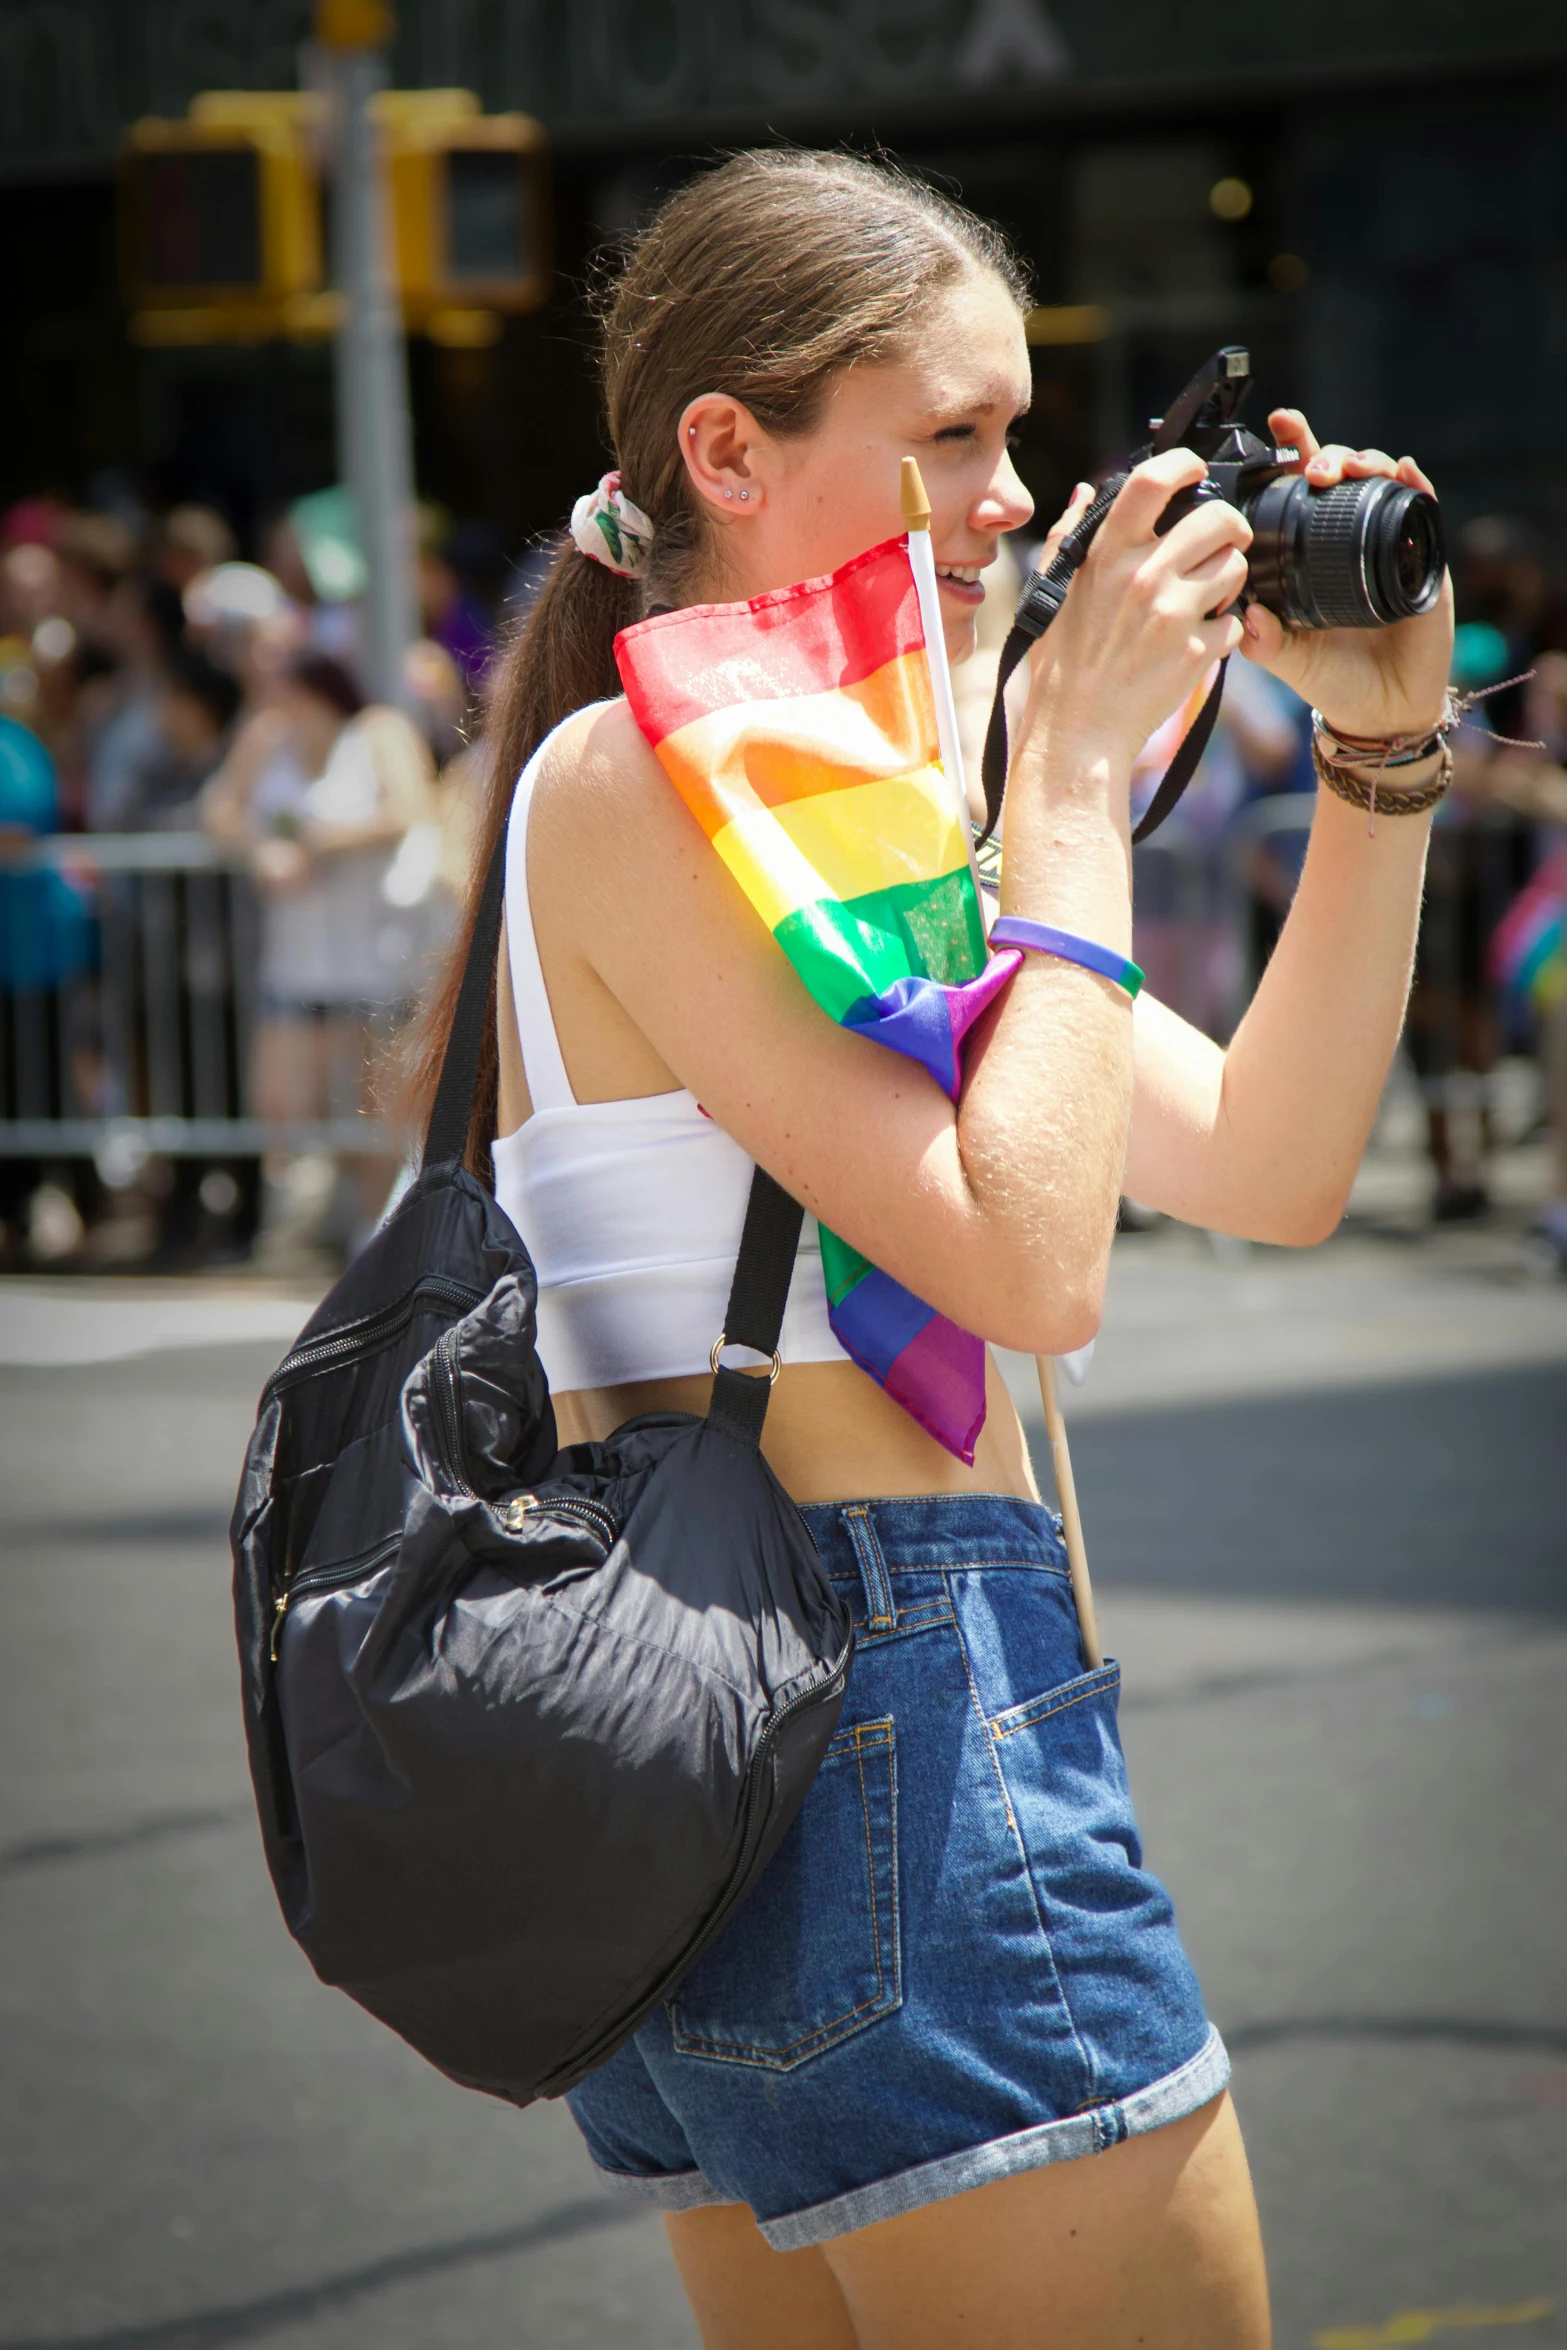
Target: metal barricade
[(148, 1050)]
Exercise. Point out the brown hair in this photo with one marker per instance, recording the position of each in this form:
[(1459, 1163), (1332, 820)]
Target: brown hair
[(761, 278)]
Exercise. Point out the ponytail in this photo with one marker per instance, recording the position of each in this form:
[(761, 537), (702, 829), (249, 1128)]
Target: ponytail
[(560, 659)]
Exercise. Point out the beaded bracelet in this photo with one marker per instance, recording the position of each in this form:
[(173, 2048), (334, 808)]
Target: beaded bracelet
[(1011, 930)]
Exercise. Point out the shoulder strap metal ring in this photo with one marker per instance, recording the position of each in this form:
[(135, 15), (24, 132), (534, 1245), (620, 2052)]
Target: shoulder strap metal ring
[(722, 1340)]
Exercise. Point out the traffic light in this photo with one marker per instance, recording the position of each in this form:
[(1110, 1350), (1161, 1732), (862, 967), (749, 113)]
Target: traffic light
[(220, 221), (470, 210), (221, 217)]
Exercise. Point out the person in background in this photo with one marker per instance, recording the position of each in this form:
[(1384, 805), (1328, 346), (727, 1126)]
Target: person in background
[(1526, 954), (37, 674), (46, 942), (191, 540), (140, 624), (324, 795), (453, 615), (1483, 851), (1189, 921), (197, 708)]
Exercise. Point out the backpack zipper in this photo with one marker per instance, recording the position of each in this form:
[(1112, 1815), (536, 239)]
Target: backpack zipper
[(595, 1515), (448, 1411), (435, 1289), (332, 1578)]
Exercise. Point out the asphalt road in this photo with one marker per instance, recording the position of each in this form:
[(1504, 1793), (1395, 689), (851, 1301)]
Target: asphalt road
[(1343, 1612)]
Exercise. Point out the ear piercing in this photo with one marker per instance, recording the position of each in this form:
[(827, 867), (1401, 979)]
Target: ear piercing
[(729, 493), (744, 494)]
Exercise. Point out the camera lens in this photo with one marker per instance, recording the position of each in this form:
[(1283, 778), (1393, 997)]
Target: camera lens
[(1355, 556), (1412, 556)]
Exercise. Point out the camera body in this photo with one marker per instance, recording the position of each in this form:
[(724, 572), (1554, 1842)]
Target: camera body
[(1361, 554)]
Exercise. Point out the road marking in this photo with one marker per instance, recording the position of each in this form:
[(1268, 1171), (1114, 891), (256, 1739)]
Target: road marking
[(1418, 2325)]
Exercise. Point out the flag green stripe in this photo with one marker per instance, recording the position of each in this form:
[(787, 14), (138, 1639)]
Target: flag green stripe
[(842, 1266), (845, 949)]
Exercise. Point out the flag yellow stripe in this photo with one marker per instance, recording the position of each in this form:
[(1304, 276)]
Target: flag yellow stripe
[(877, 835), (770, 753)]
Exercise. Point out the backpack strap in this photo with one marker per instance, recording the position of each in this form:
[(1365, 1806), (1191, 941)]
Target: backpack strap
[(449, 1119), (754, 1317)]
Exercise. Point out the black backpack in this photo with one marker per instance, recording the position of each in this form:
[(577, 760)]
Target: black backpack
[(524, 1724)]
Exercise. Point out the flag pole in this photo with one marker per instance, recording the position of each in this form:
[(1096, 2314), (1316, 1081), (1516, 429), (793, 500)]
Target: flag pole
[(1071, 1520), (922, 562)]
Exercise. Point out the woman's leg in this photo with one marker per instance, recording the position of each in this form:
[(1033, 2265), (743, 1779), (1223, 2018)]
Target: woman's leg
[(1151, 2246), (1154, 2243), (746, 2296)]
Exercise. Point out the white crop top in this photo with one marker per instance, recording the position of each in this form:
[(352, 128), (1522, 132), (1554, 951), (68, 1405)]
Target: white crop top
[(630, 1210)]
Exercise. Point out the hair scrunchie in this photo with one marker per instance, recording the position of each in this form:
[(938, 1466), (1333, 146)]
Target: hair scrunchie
[(609, 529)]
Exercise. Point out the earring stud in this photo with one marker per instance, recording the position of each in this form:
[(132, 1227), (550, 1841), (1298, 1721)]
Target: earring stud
[(729, 493), (744, 494)]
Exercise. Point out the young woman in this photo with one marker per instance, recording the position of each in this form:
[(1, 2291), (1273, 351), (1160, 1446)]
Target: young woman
[(946, 2078), (320, 791)]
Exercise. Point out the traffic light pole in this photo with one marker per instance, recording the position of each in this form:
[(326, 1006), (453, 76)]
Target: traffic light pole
[(373, 433)]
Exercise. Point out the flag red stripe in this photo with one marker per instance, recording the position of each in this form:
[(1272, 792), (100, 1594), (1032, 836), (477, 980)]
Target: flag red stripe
[(823, 633)]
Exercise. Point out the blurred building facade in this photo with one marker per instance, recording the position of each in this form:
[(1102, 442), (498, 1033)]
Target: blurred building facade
[(1373, 195)]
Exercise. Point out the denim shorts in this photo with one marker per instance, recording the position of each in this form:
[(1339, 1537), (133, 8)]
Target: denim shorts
[(955, 1966)]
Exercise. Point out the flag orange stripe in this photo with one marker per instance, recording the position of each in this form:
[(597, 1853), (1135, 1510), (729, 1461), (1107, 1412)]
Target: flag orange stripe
[(765, 754)]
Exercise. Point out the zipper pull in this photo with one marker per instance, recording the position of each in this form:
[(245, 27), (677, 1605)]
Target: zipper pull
[(518, 1511), (279, 1611)]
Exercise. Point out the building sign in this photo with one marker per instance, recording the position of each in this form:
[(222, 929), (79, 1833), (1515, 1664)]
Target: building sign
[(74, 73)]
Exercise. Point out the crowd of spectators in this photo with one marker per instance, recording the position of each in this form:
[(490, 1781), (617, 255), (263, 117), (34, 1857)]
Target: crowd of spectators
[(155, 681)]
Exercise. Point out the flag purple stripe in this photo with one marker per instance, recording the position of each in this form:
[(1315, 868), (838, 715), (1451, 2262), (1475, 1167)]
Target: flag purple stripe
[(940, 1381), (926, 1363), (928, 1021)]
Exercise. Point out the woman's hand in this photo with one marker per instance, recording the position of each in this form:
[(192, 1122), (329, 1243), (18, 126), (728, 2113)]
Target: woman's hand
[(1370, 681), (279, 867), (1144, 618)]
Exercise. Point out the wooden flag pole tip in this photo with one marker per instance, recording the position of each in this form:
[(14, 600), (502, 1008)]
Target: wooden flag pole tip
[(916, 506)]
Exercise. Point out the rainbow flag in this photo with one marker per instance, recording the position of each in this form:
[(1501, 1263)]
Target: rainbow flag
[(1528, 954), (800, 730)]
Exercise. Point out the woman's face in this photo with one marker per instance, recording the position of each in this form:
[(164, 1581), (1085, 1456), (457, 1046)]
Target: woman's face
[(791, 507)]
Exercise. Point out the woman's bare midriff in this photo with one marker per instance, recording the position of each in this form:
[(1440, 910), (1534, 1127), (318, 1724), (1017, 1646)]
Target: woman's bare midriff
[(832, 1434)]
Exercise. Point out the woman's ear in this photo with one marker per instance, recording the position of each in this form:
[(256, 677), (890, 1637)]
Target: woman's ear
[(721, 441)]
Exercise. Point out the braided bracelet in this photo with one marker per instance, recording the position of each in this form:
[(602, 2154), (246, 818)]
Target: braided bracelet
[(1337, 769), (1042, 938)]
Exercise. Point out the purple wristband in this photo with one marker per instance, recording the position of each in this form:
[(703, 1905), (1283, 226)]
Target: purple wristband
[(1010, 930)]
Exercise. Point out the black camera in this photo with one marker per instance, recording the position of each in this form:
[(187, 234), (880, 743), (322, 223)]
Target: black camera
[(1358, 555)]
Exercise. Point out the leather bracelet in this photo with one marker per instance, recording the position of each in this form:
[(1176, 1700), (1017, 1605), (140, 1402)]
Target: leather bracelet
[(1340, 777), (1042, 938), (1393, 750)]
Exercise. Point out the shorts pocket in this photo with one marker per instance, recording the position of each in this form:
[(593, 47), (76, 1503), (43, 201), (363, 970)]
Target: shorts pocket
[(1105, 1682), (812, 1955)]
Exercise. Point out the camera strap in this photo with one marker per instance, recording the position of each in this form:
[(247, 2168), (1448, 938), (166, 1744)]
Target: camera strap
[(1044, 593)]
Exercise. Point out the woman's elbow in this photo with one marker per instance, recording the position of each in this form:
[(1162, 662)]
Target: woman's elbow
[(1054, 1316)]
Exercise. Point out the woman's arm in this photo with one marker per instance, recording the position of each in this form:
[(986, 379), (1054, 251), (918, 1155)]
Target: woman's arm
[(225, 798), (1000, 1211), (1264, 1139)]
